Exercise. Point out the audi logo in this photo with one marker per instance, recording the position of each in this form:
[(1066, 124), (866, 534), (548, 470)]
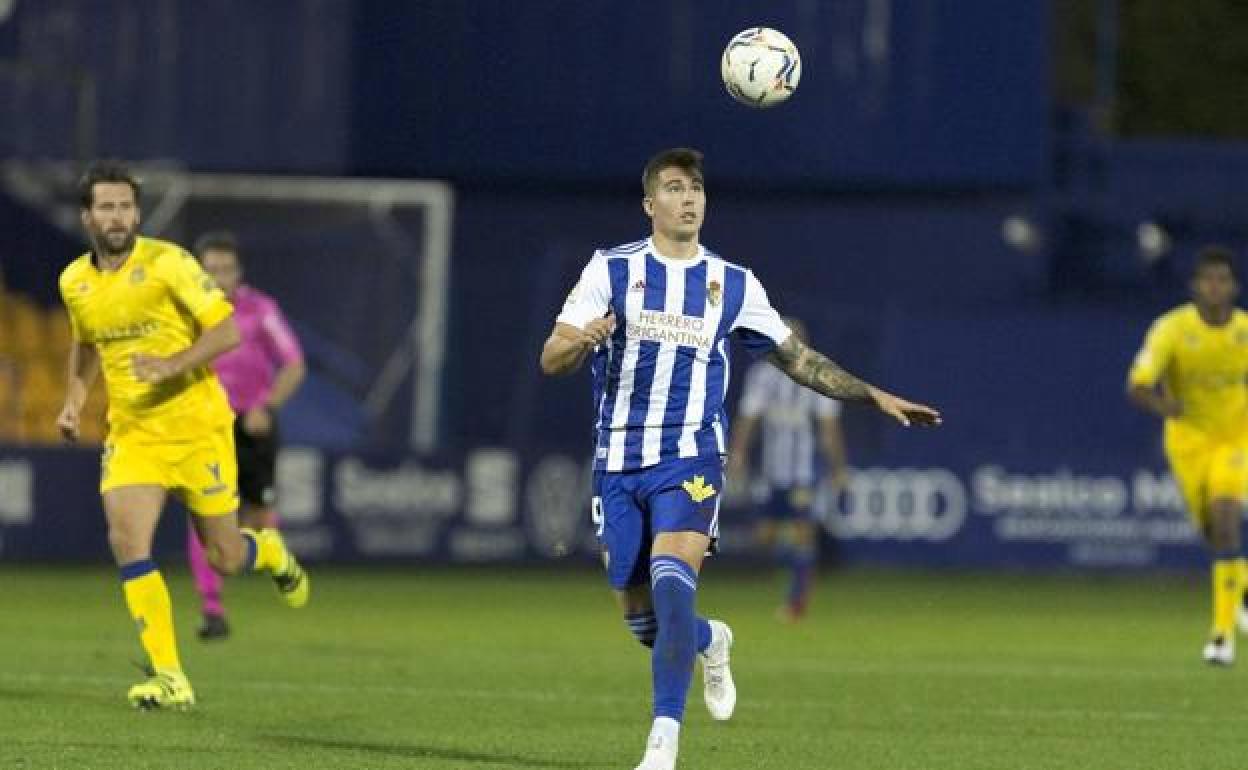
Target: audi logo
[(898, 504)]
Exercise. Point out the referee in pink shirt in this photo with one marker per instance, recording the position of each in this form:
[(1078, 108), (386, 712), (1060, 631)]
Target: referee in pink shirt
[(259, 375)]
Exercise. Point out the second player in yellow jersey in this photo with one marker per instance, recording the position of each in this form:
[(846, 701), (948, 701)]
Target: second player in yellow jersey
[(1193, 372), (145, 314), (176, 433)]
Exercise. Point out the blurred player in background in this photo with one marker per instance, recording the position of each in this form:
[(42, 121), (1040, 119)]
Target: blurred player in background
[(794, 420), (663, 309), (145, 313), (1192, 372), (259, 376)]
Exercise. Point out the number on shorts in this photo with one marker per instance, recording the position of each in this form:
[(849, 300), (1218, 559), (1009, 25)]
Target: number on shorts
[(595, 515)]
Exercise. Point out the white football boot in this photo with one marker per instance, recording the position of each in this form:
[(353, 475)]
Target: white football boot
[(662, 746), (719, 691), (1220, 651)]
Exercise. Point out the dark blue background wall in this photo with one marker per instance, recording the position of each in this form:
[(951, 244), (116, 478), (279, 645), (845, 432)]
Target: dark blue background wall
[(917, 93), (229, 84)]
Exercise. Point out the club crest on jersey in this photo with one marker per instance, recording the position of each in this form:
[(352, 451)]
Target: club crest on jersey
[(1241, 338), (639, 286), (138, 275), (714, 293)]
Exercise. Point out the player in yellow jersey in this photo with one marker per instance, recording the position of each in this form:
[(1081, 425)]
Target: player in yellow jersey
[(144, 313), (1193, 372)]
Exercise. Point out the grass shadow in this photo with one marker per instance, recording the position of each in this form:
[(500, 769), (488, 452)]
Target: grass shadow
[(420, 751)]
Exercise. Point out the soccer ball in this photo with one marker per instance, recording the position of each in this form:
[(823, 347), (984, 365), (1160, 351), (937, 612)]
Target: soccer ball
[(760, 67)]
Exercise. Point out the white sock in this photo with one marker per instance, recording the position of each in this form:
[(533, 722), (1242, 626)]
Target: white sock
[(667, 729)]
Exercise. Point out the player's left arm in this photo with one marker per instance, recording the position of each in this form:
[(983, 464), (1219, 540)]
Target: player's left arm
[(212, 342), (195, 291), (809, 367), (765, 330)]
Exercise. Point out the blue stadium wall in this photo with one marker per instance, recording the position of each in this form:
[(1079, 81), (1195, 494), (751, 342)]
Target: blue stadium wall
[(926, 93)]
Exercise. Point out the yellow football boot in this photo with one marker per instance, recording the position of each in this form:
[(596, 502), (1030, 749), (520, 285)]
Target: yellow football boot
[(293, 583), (163, 690)]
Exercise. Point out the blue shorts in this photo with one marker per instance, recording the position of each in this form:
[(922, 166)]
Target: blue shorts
[(793, 504), (631, 507)]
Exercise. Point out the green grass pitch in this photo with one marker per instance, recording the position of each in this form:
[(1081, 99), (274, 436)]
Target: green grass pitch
[(534, 669)]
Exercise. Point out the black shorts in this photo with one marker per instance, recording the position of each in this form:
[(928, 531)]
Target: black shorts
[(257, 465)]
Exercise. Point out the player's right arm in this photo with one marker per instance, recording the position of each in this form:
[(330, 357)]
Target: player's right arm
[(83, 368), (1148, 369), (567, 347), (585, 322)]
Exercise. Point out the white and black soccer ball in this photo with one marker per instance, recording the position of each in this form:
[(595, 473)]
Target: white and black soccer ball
[(760, 67)]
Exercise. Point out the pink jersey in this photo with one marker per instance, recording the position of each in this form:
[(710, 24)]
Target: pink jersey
[(267, 344)]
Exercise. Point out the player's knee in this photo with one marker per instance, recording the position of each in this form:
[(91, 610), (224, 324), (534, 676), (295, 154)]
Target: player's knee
[(644, 627)]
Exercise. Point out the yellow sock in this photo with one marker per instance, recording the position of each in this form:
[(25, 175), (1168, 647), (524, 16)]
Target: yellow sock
[(147, 596), (270, 554), (1227, 592)]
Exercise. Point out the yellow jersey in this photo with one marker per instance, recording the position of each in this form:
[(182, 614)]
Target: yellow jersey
[(157, 303), (1204, 367)]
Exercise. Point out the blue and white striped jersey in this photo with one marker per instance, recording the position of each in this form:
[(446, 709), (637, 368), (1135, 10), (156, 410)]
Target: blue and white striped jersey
[(787, 413), (660, 390)]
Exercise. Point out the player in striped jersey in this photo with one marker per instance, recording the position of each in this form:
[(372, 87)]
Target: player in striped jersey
[(663, 309), (793, 419)]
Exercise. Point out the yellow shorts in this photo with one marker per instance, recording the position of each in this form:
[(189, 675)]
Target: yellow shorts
[(1209, 472), (202, 472)]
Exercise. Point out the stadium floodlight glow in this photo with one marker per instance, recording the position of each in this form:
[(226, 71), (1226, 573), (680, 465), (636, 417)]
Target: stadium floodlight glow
[(1152, 240), (1021, 233)]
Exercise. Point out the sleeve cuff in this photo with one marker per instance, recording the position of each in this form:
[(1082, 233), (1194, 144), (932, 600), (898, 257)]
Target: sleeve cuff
[(214, 314)]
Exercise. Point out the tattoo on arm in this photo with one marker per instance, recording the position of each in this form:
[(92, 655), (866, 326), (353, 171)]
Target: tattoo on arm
[(809, 367)]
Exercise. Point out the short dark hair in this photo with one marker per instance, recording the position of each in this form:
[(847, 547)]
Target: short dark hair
[(685, 158), (1213, 255), (217, 240), (105, 171)]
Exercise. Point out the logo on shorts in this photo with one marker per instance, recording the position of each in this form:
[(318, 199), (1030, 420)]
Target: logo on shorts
[(219, 487), (698, 489)]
